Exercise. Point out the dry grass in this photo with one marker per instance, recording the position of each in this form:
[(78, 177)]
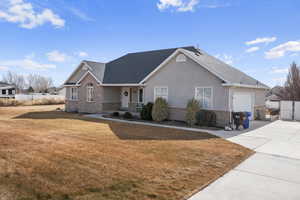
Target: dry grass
[(46, 154), (13, 102)]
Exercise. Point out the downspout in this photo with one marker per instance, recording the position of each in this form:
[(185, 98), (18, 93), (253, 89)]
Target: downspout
[(229, 106)]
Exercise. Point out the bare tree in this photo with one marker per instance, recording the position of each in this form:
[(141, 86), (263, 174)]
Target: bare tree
[(39, 83), (291, 89), (15, 79)]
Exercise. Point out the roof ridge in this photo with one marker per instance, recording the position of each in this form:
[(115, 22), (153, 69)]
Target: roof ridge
[(161, 49)]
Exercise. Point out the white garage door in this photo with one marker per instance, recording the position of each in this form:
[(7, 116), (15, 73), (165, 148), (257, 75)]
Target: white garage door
[(242, 102)]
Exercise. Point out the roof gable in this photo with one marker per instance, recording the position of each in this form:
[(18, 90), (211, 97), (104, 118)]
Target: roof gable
[(95, 68), (134, 67)]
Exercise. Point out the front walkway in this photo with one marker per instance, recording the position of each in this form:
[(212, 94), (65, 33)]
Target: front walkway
[(273, 173)]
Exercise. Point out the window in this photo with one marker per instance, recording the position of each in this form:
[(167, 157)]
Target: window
[(181, 58), (205, 96), (3, 92), (161, 92), (90, 92), (74, 93), (141, 95)]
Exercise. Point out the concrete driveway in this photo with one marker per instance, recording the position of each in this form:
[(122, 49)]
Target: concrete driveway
[(273, 173)]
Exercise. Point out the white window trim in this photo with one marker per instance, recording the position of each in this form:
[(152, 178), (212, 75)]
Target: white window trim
[(71, 94), (212, 96), (87, 94), (154, 94)]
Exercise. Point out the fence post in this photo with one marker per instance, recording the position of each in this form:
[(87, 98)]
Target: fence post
[(293, 110)]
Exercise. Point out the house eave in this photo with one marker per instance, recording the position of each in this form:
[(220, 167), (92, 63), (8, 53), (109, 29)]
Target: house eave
[(237, 85), (110, 85), (124, 84)]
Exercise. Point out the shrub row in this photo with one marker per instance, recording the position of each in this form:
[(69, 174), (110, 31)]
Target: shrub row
[(13, 102), (159, 111)]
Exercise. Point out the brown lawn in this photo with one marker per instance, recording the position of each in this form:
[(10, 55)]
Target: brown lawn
[(47, 154)]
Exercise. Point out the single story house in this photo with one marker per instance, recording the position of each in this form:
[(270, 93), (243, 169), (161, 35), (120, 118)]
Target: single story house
[(7, 90), (177, 74)]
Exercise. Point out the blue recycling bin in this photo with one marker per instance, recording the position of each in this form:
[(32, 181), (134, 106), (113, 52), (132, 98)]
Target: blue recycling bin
[(246, 122)]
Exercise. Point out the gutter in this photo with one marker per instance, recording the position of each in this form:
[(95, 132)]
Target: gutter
[(244, 86), (116, 85)]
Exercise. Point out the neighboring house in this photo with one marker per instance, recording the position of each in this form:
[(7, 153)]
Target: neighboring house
[(177, 75), (7, 90), (273, 98), (57, 90)]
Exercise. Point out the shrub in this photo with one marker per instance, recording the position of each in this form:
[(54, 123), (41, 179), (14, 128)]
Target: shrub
[(212, 118), (160, 111), (191, 109), (128, 115), (206, 118), (115, 114), (201, 118), (146, 113)]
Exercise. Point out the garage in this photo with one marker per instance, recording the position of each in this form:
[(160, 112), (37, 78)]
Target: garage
[(243, 102)]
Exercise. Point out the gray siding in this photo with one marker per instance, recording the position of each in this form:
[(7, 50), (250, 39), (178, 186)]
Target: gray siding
[(181, 79)]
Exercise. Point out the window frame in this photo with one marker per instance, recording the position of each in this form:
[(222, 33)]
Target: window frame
[(201, 101), (91, 98), (73, 97), (155, 96)]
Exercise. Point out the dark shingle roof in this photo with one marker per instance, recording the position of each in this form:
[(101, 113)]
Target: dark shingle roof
[(228, 73), (134, 67), (3, 84)]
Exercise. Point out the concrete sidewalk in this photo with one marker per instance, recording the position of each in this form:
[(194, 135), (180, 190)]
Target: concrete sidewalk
[(273, 173)]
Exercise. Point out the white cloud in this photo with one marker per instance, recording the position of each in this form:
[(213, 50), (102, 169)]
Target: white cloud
[(265, 40), (252, 49), (82, 54), (56, 56), (81, 14), (26, 63), (17, 11), (277, 70), (282, 49), (225, 58), (3, 68), (215, 5), (179, 5)]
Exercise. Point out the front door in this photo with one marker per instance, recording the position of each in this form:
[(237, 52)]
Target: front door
[(125, 97)]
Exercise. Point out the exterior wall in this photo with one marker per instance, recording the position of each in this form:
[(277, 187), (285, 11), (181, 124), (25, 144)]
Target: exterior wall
[(111, 98), (105, 99), (181, 79), (81, 105)]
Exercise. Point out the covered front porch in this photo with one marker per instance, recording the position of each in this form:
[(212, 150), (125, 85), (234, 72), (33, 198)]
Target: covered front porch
[(132, 99)]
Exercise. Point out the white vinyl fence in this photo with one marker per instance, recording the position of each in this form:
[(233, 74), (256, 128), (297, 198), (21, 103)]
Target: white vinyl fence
[(37, 96), (290, 110)]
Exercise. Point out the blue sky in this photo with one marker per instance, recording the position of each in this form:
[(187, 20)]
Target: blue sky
[(51, 37)]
